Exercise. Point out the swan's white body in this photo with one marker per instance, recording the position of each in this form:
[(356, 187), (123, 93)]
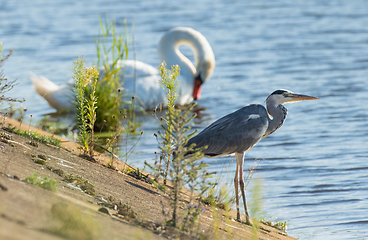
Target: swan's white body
[(149, 93)]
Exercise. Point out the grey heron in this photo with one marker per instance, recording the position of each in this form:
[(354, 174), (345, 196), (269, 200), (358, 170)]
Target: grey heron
[(239, 131)]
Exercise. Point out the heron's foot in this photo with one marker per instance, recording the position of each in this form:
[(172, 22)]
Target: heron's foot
[(247, 221)]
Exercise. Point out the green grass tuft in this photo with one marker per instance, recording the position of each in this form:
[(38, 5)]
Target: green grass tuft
[(70, 222), (46, 183), (85, 185), (282, 226), (36, 136), (219, 197)]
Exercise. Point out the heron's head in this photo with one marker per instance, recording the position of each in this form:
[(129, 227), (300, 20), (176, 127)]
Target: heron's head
[(285, 96)]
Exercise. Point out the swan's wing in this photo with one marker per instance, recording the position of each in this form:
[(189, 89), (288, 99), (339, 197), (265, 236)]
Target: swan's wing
[(145, 80), (136, 68)]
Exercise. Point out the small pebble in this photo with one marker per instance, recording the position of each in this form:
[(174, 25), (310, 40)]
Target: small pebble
[(104, 210)]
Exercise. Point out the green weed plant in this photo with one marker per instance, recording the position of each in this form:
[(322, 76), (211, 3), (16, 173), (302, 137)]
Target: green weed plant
[(111, 49), (174, 165), (112, 109), (5, 84), (86, 103), (256, 211), (256, 207)]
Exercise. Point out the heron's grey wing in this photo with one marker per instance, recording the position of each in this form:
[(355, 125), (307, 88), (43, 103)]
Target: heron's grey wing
[(236, 132)]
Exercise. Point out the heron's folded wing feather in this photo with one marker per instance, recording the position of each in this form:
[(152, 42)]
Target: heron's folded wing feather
[(236, 132)]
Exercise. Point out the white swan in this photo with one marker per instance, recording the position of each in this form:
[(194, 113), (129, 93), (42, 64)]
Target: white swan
[(148, 90)]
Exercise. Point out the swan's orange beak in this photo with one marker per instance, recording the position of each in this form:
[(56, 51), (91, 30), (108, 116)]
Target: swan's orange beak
[(197, 88)]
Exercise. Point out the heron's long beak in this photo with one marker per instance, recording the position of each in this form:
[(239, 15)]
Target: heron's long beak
[(197, 88), (300, 97)]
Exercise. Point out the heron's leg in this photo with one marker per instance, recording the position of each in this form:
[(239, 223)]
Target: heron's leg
[(236, 185), (240, 163)]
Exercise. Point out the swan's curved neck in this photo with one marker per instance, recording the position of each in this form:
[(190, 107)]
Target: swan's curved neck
[(168, 50)]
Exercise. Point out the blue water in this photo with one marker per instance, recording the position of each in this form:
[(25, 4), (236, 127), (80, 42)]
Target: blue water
[(314, 169)]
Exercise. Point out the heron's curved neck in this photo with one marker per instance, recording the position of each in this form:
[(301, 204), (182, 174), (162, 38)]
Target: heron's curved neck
[(278, 113)]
